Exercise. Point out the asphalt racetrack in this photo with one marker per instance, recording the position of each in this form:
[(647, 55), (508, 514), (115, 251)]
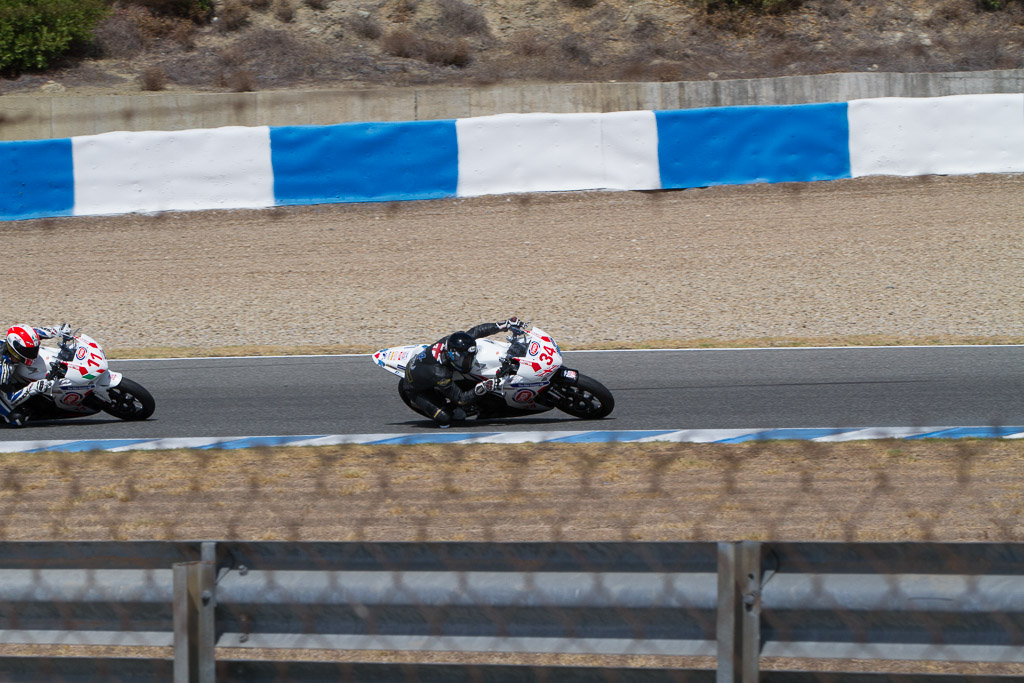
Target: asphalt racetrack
[(681, 389)]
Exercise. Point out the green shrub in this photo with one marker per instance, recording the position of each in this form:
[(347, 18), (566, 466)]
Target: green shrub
[(993, 5), (34, 32)]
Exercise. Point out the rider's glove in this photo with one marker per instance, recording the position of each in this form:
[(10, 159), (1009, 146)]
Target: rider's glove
[(40, 386), (511, 322), (487, 385), (55, 331)]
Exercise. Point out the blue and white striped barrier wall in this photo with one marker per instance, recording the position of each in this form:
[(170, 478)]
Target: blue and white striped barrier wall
[(257, 167), (450, 437)]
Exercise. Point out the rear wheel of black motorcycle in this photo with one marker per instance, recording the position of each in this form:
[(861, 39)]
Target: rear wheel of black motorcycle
[(129, 401), (588, 399)]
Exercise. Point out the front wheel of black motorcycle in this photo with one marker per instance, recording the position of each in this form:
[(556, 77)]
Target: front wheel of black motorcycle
[(587, 399), (129, 401)]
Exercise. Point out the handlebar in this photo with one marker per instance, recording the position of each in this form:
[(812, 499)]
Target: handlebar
[(59, 367), (509, 364), (516, 331)]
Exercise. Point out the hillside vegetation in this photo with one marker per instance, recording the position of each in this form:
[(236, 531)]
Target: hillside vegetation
[(240, 45)]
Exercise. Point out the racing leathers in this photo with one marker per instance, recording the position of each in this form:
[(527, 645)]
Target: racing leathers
[(430, 379), (21, 380)]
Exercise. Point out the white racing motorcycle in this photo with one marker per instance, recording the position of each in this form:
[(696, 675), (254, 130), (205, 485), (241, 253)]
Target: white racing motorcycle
[(83, 384), (535, 379)]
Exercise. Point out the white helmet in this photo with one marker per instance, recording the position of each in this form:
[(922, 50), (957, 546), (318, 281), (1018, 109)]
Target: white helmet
[(22, 344)]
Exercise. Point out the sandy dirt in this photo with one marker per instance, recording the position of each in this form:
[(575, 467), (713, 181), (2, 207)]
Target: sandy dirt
[(867, 260)]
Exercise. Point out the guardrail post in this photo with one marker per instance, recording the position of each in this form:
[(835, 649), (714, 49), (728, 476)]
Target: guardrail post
[(194, 635), (739, 612)]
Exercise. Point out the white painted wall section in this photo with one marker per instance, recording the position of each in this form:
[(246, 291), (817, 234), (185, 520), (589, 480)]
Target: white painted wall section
[(961, 134), (557, 152), (217, 168)]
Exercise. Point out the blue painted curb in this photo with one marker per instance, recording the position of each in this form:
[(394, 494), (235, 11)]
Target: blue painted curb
[(453, 437)]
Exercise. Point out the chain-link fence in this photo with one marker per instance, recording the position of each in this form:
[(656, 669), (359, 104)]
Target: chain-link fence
[(515, 559)]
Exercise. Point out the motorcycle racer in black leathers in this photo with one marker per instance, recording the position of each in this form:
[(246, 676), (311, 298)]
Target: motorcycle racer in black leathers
[(430, 375)]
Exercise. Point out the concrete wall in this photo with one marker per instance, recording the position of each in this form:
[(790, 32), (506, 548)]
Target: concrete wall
[(34, 117)]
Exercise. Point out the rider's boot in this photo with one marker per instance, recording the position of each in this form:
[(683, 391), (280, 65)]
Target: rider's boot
[(17, 417), (438, 414)]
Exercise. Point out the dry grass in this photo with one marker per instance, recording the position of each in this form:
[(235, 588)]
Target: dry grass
[(527, 659), (233, 15), (153, 78), (284, 11), (462, 19), (968, 490), (366, 27), (408, 45)]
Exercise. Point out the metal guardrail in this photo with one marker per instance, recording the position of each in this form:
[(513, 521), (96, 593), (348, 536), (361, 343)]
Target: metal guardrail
[(738, 602)]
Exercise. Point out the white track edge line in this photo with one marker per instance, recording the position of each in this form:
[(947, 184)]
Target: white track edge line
[(715, 348)]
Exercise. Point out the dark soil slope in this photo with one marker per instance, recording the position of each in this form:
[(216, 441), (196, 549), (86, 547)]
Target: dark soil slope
[(272, 44)]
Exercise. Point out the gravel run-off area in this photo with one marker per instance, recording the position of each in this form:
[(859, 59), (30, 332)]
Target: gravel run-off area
[(871, 260)]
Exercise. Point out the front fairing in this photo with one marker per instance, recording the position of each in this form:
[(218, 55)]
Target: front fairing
[(87, 374), (395, 359), (539, 357)]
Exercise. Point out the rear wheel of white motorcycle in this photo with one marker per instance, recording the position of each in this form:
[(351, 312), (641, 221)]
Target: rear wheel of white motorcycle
[(129, 401), (587, 399)]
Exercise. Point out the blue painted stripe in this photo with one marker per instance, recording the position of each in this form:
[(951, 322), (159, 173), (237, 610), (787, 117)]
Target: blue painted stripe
[(364, 162), (776, 434), (88, 445), (969, 433), (36, 179), (608, 437), (439, 437), (765, 144), (449, 437), (257, 442)]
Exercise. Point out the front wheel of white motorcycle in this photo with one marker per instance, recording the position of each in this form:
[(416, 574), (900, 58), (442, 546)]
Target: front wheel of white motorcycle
[(587, 399), (129, 401)]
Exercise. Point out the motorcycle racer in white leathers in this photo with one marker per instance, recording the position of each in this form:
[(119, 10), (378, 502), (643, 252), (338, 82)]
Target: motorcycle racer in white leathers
[(22, 373)]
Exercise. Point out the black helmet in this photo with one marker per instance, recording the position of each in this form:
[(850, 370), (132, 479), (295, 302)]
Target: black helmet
[(460, 349)]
